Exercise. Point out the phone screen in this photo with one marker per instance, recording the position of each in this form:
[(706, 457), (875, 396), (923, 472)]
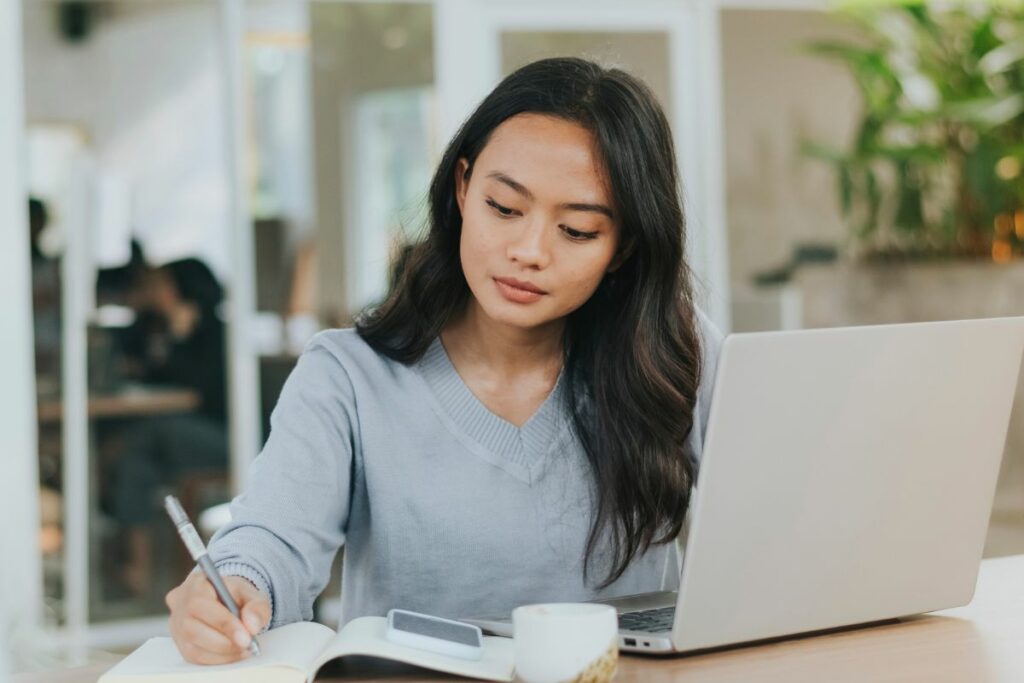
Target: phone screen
[(443, 630)]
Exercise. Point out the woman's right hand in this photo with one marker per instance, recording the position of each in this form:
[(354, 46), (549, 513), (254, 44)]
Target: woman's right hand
[(204, 629)]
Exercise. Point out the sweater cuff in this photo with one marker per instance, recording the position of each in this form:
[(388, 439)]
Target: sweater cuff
[(253, 576)]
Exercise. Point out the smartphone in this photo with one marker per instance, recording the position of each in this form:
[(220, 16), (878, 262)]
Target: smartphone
[(434, 634)]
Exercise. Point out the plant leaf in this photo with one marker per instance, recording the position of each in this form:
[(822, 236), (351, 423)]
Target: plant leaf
[(987, 112)]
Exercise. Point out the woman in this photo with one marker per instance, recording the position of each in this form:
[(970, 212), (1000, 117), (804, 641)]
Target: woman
[(520, 421)]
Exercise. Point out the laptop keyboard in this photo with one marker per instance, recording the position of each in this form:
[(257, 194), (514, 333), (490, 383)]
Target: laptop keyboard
[(650, 620)]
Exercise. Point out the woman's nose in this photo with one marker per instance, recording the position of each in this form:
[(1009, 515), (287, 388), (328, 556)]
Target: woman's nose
[(529, 248)]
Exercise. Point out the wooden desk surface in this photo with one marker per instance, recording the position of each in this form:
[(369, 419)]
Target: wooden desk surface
[(980, 643), (132, 401)]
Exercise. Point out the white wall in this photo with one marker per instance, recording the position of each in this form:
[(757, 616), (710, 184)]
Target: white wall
[(146, 88), (774, 95), (20, 576)]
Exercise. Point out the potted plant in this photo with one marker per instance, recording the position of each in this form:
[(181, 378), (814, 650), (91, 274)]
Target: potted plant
[(935, 169)]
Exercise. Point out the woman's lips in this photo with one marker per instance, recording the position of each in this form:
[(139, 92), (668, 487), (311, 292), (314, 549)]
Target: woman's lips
[(517, 291)]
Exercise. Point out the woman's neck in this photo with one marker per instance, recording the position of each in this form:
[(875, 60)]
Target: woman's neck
[(475, 340)]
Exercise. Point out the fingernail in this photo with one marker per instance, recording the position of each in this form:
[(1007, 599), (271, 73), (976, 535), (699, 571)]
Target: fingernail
[(252, 623), (242, 639)]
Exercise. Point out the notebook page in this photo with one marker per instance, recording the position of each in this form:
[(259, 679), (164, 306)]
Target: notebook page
[(287, 655), (365, 636)]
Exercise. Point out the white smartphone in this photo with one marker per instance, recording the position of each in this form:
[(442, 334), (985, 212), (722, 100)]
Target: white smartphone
[(434, 634)]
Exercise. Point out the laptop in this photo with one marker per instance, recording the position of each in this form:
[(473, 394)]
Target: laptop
[(847, 478)]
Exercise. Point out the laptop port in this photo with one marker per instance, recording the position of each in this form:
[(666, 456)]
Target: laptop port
[(631, 641)]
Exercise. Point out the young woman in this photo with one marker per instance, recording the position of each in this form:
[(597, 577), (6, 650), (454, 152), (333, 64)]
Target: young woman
[(521, 419)]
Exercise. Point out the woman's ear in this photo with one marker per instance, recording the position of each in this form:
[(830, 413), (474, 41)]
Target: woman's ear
[(462, 173), (621, 256)]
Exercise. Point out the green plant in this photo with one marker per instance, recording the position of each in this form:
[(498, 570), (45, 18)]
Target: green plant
[(935, 164)]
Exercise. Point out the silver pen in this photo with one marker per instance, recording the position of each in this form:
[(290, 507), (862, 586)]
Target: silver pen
[(197, 550)]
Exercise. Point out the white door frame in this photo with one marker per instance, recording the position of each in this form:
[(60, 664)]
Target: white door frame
[(467, 65), (20, 573), (243, 359)]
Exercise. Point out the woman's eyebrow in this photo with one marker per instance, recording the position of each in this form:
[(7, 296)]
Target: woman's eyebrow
[(596, 208), (517, 186), (572, 206)]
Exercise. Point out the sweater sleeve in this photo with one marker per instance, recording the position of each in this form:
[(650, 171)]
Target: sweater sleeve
[(289, 522)]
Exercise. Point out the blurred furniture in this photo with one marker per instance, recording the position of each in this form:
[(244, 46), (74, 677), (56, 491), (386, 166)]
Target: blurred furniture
[(761, 309), (274, 371), (128, 401), (131, 401), (272, 266), (978, 643)]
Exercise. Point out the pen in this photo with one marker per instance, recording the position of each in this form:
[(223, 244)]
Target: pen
[(197, 550)]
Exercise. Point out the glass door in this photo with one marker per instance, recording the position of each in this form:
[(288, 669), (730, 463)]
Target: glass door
[(131, 265)]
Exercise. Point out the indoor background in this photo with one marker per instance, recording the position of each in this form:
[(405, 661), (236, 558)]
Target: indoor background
[(241, 171)]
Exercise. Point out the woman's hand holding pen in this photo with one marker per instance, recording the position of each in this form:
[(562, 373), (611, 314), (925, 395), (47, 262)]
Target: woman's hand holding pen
[(203, 628)]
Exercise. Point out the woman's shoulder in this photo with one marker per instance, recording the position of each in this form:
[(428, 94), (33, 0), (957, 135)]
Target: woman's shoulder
[(344, 344), (344, 349), (711, 339)]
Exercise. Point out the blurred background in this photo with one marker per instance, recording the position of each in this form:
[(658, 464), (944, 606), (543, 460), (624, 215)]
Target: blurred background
[(208, 183)]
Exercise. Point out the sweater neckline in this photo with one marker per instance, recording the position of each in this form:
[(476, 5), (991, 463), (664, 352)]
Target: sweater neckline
[(519, 445)]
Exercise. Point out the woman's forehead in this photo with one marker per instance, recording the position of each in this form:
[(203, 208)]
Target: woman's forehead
[(554, 159)]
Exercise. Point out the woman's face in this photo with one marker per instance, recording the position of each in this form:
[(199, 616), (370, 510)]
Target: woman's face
[(160, 291), (538, 226)]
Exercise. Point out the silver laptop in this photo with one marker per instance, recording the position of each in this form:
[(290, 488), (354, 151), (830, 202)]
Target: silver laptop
[(847, 478)]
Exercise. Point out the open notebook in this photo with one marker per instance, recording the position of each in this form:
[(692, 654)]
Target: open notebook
[(294, 653)]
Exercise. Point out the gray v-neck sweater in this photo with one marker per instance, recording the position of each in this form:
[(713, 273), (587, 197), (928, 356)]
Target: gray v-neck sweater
[(442, 506)]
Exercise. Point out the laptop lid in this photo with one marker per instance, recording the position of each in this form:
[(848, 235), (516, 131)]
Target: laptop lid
[(848, 476)]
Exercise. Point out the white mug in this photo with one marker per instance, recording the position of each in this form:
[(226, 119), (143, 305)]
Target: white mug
[(563, 642)]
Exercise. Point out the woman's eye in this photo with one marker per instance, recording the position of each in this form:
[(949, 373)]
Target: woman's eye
[(502, 210), (578, 235), (571, 233)]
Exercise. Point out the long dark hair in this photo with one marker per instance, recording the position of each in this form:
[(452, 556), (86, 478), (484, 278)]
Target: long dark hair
[(632, 351), (195, 282)]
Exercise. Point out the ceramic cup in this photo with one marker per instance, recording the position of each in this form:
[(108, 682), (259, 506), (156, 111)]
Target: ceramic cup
[(565, 642)]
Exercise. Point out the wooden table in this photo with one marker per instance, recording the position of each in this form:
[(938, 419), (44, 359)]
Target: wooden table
[(980, 643), (132, 401)]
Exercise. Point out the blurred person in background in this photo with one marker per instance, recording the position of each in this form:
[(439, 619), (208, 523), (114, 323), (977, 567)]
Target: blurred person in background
[(45, 302), (123, 285), (177, 339)]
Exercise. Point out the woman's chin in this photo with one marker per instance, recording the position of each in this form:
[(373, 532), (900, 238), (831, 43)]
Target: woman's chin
[(522, 316)]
